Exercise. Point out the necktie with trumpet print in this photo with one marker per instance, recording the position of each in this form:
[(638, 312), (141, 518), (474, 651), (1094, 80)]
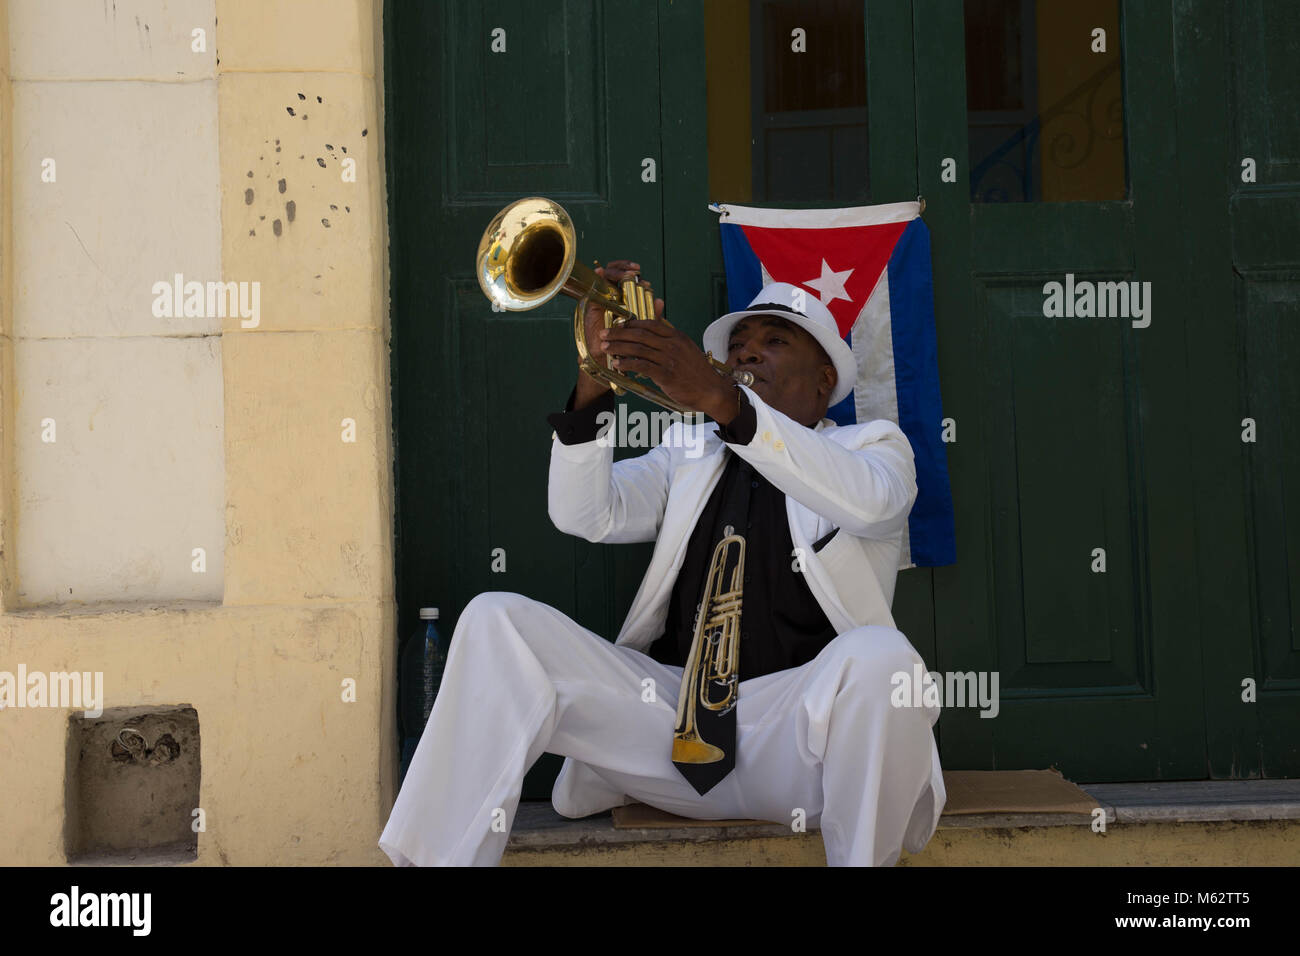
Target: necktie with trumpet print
[(703, 726)]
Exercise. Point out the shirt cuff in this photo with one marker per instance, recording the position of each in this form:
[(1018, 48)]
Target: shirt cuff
[(742, 427), (575, 428)]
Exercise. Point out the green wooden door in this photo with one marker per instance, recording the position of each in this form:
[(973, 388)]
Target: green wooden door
[(1239, 242), (1063, 427), (1095, 432), (566, 106), (1071, 434), (1074, 433), (1100, 574)]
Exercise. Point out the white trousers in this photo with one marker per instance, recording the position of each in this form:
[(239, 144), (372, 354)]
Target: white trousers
[(522, 679)]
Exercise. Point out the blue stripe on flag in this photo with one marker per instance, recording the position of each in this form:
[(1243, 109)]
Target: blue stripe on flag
[(744, 274), (916, 376)]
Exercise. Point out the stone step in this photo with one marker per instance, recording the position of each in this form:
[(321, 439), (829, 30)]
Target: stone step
[(1200, 823)]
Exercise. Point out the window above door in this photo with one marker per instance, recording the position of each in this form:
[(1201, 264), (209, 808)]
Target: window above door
[(787, 101), (1045, 102)]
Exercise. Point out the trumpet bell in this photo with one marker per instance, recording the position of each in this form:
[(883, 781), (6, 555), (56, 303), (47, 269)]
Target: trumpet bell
[(526, 254)]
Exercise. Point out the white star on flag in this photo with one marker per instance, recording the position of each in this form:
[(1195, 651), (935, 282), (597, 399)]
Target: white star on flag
[(830, 285)]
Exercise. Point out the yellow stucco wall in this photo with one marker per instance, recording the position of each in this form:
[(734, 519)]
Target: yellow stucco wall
[(291, 773)]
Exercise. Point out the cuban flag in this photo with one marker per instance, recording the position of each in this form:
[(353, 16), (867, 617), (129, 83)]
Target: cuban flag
[(870, 265)]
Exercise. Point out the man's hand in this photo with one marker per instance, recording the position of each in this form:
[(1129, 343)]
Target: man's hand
[(588, 388), (669, 358)]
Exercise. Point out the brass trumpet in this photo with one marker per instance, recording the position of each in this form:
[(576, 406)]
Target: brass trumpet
[(528, 255), (715, 653)]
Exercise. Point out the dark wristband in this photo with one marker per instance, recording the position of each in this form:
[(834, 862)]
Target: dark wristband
[(741, 429), (575, 428)]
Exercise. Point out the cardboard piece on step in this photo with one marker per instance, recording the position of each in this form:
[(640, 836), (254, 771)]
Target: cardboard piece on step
[(1013, 791)]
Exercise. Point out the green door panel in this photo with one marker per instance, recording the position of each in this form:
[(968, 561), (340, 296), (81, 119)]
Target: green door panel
[(1070, 440)]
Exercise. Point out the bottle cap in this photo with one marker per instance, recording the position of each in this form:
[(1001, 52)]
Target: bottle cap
[(428, 614)]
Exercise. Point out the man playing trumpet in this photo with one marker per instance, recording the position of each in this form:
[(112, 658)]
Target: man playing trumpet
[(809, 732)]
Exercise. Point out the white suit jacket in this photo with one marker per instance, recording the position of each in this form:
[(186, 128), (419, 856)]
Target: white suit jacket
[(860, 479)]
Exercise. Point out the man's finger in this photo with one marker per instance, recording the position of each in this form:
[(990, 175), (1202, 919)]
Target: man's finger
[(616, 270), (644, 366), (638, 329), (648, 349), (642, 349)]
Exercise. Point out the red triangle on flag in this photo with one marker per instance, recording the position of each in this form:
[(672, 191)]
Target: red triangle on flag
[(822, 257)]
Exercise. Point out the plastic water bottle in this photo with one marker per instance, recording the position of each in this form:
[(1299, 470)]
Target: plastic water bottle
[(420, 673), (434, 661)]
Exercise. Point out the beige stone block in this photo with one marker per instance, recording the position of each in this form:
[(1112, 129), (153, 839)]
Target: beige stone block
[(112, 509), (292, 773), (31, 802), (313, 240), (135, 202), (308, 514), (303, 35), (112, 39)]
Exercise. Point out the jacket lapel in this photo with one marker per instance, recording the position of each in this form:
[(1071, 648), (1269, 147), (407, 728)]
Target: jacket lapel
[(693, 480)]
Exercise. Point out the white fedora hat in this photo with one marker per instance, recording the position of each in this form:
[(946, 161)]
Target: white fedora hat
[(805, 310)]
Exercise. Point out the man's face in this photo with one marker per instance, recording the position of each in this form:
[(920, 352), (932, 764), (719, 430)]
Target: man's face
[(792, 372)]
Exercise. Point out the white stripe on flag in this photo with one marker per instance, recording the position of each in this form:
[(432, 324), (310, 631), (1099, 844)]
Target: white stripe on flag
[(819, 218), (874, 393)]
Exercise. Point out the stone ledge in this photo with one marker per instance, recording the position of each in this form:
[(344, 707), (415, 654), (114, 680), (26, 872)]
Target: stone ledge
[(537, 825), (1198, 800), (975, 821)]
